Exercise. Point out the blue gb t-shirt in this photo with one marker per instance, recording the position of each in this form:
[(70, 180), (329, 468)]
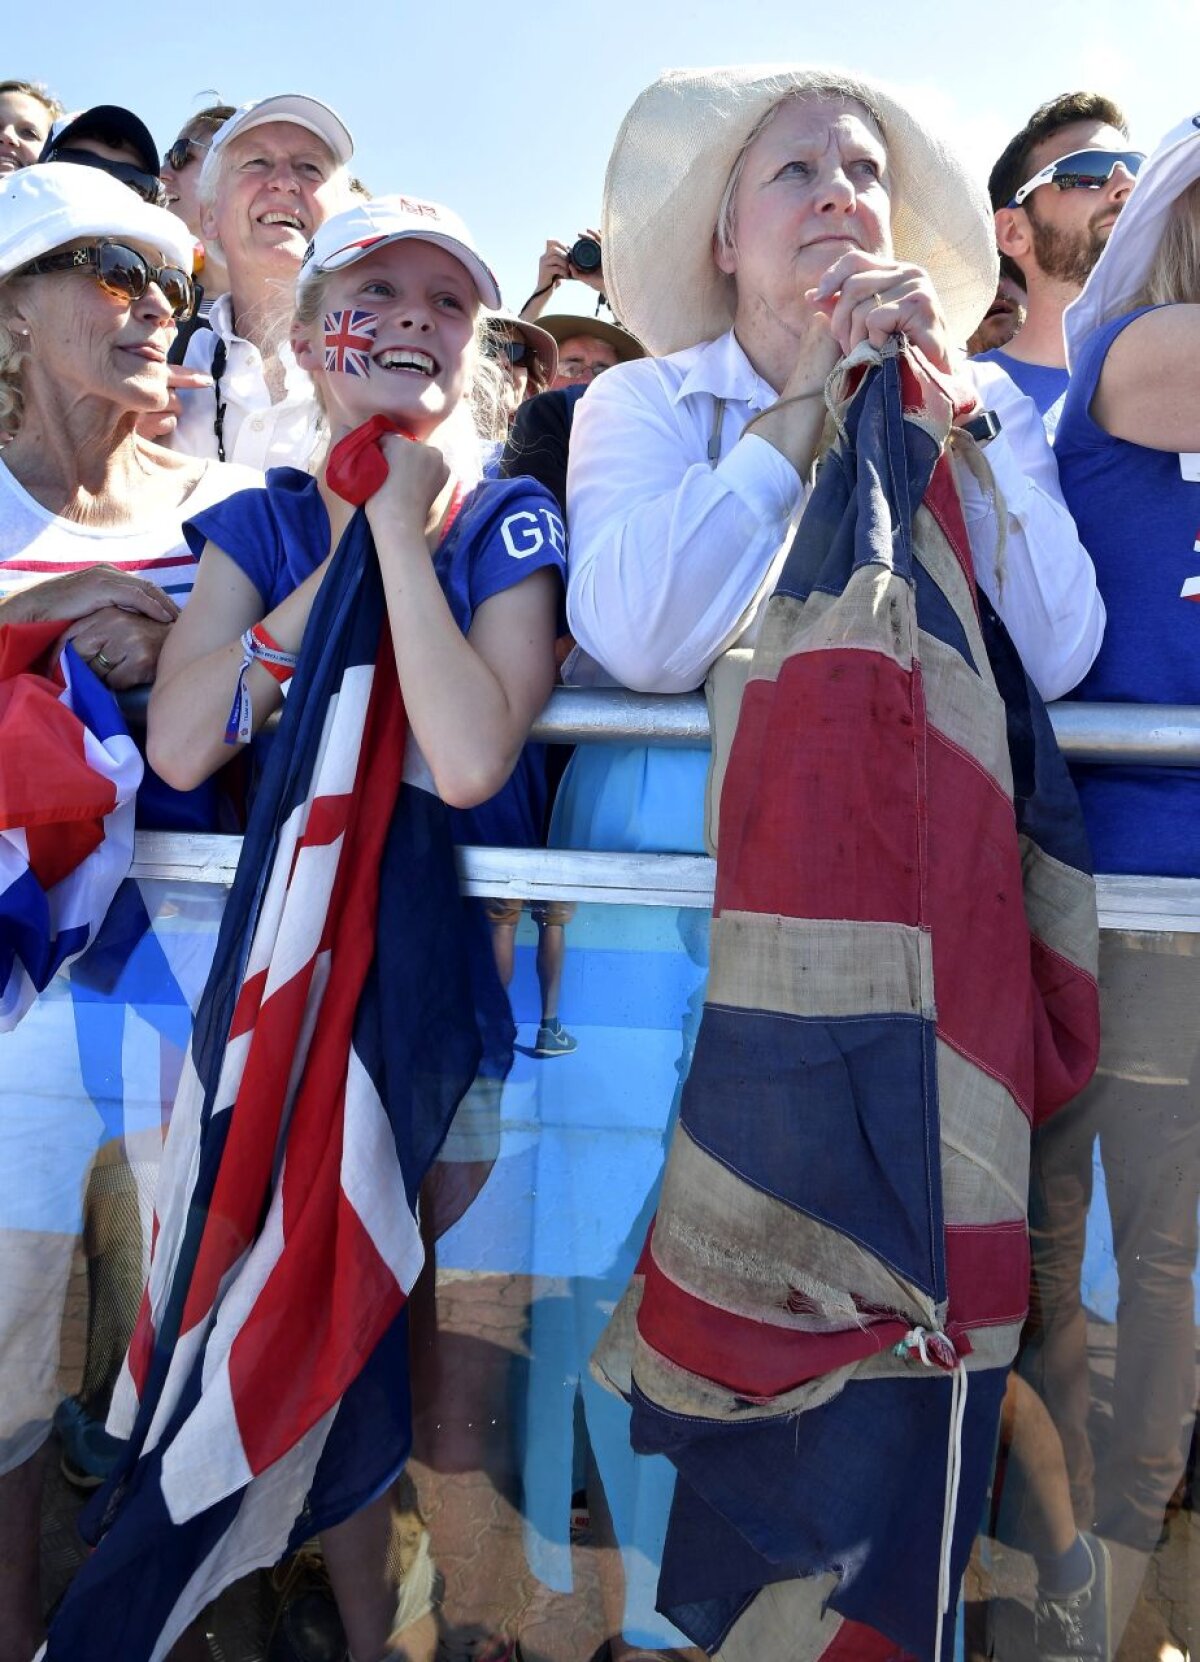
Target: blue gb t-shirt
[(1139, 519), (506, 529)]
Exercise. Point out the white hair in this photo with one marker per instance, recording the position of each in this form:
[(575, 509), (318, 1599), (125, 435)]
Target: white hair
[(213, 178)]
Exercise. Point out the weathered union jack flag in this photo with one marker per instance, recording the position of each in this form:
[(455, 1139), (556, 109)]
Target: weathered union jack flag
[(349, 340), (902, 980), (265, 1393), (68, 775)]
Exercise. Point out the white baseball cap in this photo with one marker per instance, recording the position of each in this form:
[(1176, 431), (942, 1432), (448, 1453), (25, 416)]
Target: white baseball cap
[(53, 204), (352, 235), (295, 107)]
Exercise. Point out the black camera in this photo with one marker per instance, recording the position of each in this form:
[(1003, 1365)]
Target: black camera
[(585, 255)]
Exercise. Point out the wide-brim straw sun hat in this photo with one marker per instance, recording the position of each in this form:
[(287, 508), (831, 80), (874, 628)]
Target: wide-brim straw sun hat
[(668, 171), (1127, 257)]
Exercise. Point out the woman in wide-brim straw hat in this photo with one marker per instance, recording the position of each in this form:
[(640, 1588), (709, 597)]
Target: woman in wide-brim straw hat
[(758, 224)]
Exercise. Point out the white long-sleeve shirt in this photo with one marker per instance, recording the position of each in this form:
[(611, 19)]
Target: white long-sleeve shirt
[(669, 552)]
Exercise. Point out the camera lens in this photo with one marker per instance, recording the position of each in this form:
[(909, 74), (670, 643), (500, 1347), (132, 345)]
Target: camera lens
[(585, 255)]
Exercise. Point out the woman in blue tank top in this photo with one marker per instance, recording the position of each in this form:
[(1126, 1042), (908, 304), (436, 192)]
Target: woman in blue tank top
[(1126, 452)]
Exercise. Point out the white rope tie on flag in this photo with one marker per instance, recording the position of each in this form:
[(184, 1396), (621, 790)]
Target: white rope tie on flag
[(937, 1350)]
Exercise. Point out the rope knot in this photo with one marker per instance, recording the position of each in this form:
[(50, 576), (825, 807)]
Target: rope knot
[(933, 1349)]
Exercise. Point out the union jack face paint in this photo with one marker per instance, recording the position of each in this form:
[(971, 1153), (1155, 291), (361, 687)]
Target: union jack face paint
[(349, 337)]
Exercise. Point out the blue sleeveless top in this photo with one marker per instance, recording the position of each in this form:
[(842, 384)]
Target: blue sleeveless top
[(1140, 521)]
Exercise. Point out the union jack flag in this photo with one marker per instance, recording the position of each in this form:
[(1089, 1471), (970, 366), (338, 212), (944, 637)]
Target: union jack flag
[(335, 1037), (68, 775), (902, 979), (349, 337)]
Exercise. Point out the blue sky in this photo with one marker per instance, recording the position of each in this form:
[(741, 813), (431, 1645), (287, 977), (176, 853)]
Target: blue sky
[(508, 116)]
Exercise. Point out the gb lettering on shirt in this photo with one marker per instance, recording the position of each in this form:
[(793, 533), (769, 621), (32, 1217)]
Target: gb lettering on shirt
[(529, 530)]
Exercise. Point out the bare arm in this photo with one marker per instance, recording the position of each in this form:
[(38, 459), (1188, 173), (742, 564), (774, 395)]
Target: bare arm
[(1147, 389), (198, 670), (77, 594), (470, 700)]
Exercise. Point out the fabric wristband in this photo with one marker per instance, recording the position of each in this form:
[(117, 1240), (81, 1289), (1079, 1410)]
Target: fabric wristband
[(258, 646)]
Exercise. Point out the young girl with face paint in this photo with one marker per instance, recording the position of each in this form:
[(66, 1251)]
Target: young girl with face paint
[(385, 331), (471, 576)]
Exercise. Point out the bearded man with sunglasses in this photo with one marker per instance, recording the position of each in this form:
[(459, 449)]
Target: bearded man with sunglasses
[(1056, 190)]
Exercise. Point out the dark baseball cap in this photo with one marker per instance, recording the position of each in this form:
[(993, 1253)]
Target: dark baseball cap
[(111, 125)]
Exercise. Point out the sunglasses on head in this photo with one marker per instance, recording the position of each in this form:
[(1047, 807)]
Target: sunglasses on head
[(125, 274), (515, 351), (179, 155), (1081, 170)]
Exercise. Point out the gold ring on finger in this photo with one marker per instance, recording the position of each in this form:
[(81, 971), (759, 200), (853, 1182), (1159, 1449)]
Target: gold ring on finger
[(878, 298), (104, 663)]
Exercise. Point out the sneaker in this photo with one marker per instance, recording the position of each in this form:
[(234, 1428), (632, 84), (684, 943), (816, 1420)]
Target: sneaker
[(88, 1452), (554, 1040), (1076, 1626)]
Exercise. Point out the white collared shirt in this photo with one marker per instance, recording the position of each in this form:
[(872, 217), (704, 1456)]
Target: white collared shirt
[(257, 432), (669, 553)]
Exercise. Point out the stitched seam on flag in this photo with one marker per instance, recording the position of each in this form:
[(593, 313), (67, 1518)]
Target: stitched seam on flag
[(869, 1247), (971, 1157), (1068, 963), (930, 1098), (992, 1073), (872, 1017), (966, 756)]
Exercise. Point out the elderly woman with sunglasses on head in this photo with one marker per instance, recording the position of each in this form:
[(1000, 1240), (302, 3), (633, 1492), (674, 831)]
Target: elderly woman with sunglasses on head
[(272, 174), (92, 282)]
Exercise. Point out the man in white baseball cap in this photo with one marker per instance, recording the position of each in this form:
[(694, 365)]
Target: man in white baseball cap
[(274, 172)]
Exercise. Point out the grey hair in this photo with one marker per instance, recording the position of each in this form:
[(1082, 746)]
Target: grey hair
[(823, 91), (212, 178)]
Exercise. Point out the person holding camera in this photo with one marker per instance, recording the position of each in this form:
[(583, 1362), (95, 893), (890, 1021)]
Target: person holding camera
[(582, 261)]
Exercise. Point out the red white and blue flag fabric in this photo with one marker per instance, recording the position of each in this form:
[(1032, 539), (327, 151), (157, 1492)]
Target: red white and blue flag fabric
[(350, 340), (69, 772), (265, 1392), (902, 982)]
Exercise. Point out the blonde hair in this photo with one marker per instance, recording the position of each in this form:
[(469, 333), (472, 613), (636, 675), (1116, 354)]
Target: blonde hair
[(40, 93), (1174, 274), (14, 349), (823, 92), (480, 414)]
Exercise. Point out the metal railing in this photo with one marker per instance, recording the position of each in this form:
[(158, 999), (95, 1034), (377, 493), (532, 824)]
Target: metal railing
[(1166, 735)]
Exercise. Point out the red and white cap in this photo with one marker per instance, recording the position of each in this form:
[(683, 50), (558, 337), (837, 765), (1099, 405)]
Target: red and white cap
[(352, 235)]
